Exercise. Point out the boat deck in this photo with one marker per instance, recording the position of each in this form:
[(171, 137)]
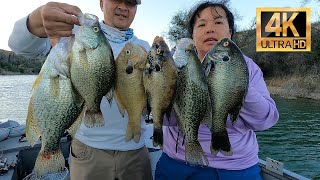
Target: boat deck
[(10, 148)]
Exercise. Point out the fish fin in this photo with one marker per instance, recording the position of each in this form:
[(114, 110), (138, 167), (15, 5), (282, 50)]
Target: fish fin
[(93, 119), (133, 130), (75, 126), (121, 108), (147, 109), (170, 106), (176, 140), (32, 131), (234, 113), (147, 113), (195, 154), (62, 69), (143, 48), (208, 68), (36, 82), (109, 96), (79, 101), (157, 136), (207, 119), (220, 142), (50, 162)]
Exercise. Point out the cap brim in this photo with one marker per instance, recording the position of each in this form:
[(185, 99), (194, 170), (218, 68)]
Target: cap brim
[(136, 2)]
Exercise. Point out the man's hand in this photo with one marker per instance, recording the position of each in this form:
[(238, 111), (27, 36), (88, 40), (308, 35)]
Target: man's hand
[(53, 20)]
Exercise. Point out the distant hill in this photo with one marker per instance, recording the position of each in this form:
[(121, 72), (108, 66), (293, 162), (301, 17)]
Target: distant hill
[(10, 64)]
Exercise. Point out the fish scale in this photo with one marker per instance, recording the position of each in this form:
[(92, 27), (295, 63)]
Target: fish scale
[(191, 101), (93, 71), (129, 90), (227, 77), (159, 80), (53, 107)]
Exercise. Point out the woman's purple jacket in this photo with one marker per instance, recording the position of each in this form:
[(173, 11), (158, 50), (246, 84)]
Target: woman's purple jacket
[(258, 113)]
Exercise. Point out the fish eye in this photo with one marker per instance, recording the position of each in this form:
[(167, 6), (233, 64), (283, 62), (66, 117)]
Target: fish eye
[(225, 44), (128, 52), (226, 58), (95, 29), (158, 51)]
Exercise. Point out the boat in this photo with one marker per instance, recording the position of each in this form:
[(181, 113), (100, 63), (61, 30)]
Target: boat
[(10, 128), (17, 160)]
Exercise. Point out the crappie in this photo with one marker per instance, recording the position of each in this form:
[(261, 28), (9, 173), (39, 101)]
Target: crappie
[(227, 76), (92, 69), (191, 100), (129, 90), (159, 80), (53, 108)]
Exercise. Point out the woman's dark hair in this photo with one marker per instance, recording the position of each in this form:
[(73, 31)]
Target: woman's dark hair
[(201, 6)]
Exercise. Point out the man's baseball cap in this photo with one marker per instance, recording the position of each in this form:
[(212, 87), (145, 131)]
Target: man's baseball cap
[(135, 1)]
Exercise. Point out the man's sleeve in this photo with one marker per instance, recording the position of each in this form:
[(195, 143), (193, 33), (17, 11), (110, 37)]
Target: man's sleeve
[(22, 42)]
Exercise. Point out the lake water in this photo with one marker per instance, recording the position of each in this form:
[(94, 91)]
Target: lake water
[(294, 140), (14, 96)]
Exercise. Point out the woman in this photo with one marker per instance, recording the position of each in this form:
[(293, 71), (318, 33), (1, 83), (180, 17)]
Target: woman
[(209, 22)]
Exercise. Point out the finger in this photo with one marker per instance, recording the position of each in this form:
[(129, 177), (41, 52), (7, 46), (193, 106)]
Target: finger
[(70, 19), (55, 34), (67, 8), (58, 26), (61, 12), (54, 40), (70, 9), (58, 29)]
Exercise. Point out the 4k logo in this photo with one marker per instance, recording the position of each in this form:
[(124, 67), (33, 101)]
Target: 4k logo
[(283, 29)]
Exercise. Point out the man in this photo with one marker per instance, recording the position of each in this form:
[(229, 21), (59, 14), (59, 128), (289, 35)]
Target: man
[(99, 152)]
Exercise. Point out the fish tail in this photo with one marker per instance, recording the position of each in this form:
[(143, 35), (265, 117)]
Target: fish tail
[(157, 130), (220, 142), (75, 125), (133, 129), (93, 119), (49, 163), (195, 154)]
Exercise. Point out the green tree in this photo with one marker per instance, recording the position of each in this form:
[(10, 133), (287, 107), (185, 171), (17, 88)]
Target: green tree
[(178, 27)]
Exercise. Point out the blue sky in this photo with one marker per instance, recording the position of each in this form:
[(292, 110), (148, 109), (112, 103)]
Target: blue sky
[(153, 16)]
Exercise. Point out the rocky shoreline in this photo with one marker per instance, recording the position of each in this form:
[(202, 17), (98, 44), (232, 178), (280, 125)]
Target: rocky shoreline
[(295, 87)]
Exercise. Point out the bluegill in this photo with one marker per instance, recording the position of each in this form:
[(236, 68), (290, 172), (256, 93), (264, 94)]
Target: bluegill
[(227, 76), (129, 90), (159, 80), (93, 70), (191, 100), (53, 107)]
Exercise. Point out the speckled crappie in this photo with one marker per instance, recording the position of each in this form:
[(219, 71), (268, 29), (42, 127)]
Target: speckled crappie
[(191, 100), (129, 90), (54, 106), (93, 71), (159, 80), (227, 76)]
